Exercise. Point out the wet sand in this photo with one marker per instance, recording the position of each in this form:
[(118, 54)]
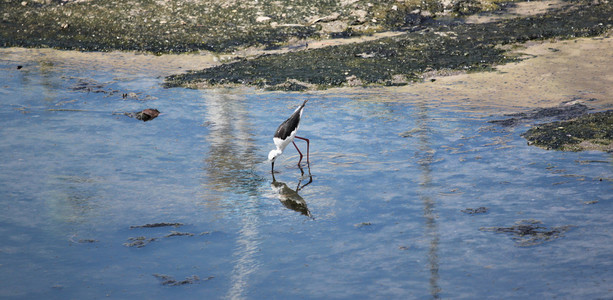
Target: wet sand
[(120, 62), (555, 72)]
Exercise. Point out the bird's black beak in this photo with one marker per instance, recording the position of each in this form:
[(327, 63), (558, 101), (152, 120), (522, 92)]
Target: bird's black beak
[(273, 172)]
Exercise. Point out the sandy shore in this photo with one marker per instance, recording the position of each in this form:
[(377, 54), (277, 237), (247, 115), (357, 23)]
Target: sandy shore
[(555, 72)]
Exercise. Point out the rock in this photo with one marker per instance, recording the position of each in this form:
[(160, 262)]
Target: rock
[(360, 16), (145, 115), (328, 18), (354, 81), (336, 26), (348, 2), (366, 55), (139, 242), (263, 19)]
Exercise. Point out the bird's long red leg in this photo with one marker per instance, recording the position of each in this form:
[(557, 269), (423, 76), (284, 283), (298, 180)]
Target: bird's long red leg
[(307, 140), (300, 160)]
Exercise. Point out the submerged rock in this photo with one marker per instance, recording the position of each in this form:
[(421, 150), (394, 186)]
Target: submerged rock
[(530, 232), (177, 233), (155, 225), (145, 115), (169, 280), (143, 241), (90, 86), (473, 211), (138, 242)]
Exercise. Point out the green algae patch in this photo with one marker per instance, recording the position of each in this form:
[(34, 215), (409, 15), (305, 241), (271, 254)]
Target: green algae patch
[(186, 26), (145, 25), (389, 61), (401, 59), (589, 132)]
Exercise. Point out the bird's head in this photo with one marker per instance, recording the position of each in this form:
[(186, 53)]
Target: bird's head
[(272, 155)]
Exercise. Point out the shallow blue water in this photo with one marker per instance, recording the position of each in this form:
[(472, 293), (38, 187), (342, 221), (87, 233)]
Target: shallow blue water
[(390, 178)]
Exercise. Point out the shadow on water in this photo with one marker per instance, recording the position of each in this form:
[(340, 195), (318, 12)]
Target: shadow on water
[(289, 197), (229, 169), (425, 160), (231, 159)]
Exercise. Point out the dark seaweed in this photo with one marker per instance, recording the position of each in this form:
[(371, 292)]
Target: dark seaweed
[(530, 232), (448, 46), (558, 113), (155, 225), (473, 211), (170, 281), (597, 128)]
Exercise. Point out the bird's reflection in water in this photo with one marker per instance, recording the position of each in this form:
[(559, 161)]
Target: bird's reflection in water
[(289, 197)]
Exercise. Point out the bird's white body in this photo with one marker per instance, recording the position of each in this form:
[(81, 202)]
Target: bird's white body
[(282, 143)]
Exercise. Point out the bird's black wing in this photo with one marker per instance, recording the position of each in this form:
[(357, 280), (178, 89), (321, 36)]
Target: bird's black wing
[(288, 126), (291, 124)]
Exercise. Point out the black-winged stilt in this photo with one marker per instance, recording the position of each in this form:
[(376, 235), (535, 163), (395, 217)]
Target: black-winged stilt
[(286, 134)]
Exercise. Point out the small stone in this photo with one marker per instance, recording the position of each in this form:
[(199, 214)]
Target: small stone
[(354, 81), (328, 18), (263, 19)]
